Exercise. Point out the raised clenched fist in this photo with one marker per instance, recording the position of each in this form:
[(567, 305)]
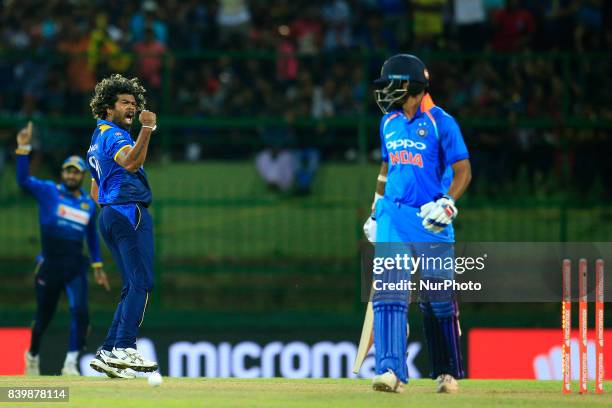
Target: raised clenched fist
[(25, 135), (147, 118)]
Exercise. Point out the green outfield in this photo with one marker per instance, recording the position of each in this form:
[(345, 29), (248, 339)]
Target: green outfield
[(218, 218), (222, 211), (276, 392)]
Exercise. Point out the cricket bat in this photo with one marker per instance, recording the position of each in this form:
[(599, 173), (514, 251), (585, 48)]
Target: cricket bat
[(366, 340)]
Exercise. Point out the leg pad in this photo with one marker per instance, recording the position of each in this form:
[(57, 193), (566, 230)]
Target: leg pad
[(441, 323)]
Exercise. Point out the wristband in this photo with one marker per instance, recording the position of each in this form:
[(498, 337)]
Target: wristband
[(153, 128), (96, 264), (449, 197), (23, 149)]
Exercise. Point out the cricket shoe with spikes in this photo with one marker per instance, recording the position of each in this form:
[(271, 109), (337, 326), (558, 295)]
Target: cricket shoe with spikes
[(99, 364), (130, 358), (447, 384), (387, 382)]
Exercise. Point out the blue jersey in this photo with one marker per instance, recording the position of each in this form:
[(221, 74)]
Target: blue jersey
[(65, 219), (116, 185), (419, 152)]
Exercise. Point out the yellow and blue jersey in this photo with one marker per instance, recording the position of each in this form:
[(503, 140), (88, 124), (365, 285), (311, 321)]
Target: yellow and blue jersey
[(419, 152), (116, 185), (65, 219)]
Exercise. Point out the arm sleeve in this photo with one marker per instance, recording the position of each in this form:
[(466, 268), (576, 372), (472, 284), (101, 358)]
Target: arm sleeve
[(453, 146), (38, 188), (115, 142), (93, 242)]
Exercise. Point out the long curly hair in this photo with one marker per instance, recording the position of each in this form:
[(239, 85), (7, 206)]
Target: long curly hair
[(106, 92)]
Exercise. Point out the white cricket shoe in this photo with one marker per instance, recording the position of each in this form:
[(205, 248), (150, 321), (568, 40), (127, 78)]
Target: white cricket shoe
[(70, 369), (32, 364), (387, 382), (99, 364), (447, 384), (130, 358)]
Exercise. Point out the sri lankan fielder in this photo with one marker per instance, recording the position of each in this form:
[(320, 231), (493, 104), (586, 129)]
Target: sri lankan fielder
[(425, 169), (67, 217)]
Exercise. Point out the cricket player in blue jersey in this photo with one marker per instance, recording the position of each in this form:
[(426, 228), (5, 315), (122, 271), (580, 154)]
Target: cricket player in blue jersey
[(67, 216), (425, 170), (121, 188)]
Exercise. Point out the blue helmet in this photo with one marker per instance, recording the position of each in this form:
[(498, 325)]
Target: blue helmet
[(76, 162), (395, 71)]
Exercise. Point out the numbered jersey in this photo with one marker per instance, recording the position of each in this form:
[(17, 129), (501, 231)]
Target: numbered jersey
[(420, 152), (116, 185)]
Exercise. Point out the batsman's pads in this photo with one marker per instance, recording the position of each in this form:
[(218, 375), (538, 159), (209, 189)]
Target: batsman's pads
[(390, 321), (369, 229), (441, 323), (440, 215)]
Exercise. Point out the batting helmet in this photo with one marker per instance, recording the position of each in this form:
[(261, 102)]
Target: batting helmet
[(395, 71)]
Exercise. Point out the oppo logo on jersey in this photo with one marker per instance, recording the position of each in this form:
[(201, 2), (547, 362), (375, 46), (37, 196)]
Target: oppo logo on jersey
[(404, 156), (405, 143)]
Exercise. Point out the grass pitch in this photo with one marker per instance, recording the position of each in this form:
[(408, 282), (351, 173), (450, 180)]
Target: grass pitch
[(276, 392)]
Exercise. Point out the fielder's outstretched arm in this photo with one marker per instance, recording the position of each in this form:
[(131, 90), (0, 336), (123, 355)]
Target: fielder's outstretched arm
[(461, 179)]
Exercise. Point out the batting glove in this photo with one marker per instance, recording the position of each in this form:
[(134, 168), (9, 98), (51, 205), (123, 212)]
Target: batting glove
[(369, 229), (426, 209), (439, 216)]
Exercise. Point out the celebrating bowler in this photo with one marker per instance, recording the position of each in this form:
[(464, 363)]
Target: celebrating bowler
[(121, 188)]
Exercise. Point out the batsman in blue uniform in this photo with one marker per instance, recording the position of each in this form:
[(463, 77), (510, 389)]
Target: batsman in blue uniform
[(425, 170), (67, 217), (121, 188)]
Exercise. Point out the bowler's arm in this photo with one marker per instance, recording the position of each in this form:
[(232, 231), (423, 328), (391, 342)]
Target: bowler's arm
[(132, 158), (461, 179)]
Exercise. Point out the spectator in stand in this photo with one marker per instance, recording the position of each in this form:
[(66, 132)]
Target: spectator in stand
[(234, 22), (307, 29), (287, 63), (148, 16), (470, 18), (150, 52), (428, 22), (104, 52), (514, 27), (82, 75), (337, 14)]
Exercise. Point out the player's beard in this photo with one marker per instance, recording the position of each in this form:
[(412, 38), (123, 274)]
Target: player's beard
[(72, 186), (128, 119), (123, 120)]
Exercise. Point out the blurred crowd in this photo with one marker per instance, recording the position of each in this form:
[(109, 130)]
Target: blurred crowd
[(316, 59)]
